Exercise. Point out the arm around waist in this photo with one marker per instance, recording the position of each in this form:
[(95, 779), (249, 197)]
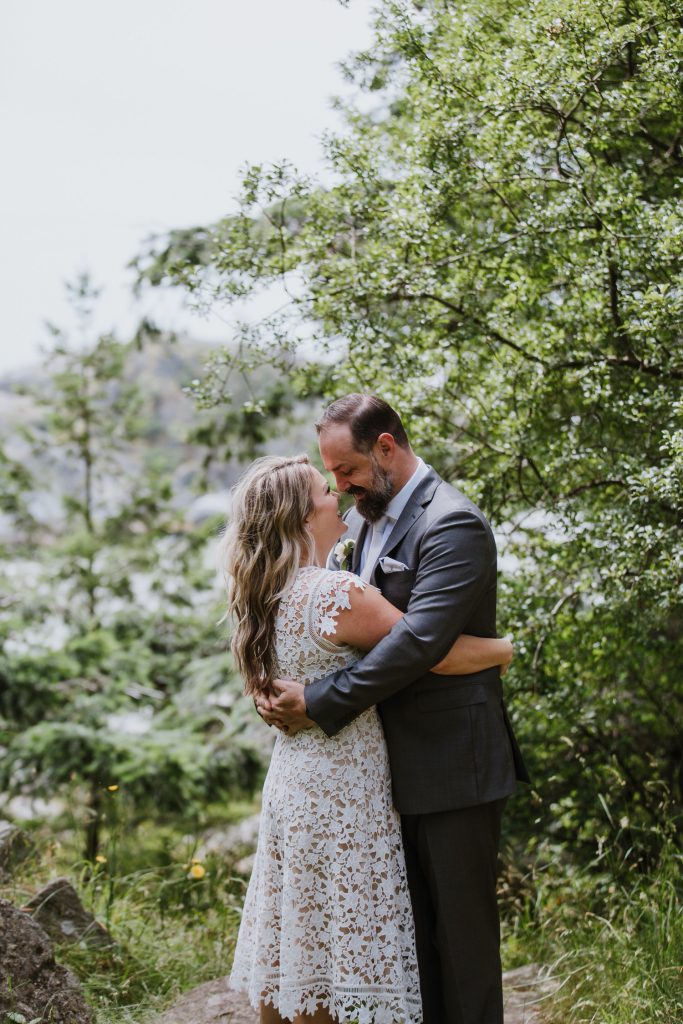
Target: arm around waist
[(456, 566)]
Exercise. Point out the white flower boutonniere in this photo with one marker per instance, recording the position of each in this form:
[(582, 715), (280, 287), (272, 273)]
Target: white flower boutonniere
[(343, 552)]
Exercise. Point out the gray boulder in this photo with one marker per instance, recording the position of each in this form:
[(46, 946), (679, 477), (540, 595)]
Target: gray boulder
[(211, 1003), (245, 865), (58, 909), (32, 985), (237, 840)]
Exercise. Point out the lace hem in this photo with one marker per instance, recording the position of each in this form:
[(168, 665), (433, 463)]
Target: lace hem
[(347, 1003)]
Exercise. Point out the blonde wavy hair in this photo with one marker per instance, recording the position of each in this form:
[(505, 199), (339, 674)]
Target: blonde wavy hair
[(263, 548)]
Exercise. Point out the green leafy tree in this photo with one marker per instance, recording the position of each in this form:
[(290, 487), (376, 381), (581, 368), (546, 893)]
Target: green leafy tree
[(137, 697), (499, 254)]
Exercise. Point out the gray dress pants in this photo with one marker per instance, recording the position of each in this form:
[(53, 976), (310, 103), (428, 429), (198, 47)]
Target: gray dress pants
[(451, 861)]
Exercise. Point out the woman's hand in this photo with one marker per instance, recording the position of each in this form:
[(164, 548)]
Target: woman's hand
[(284, 706)]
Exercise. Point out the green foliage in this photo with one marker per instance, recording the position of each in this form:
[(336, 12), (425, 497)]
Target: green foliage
[(14, 483), (137, 690), (499, 254), (246, 414), (612, 933)]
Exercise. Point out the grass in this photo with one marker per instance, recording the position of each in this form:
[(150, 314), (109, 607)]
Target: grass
[(612, 932), (173, 931)]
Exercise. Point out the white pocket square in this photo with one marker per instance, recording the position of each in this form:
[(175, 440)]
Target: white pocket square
[(391, 565)]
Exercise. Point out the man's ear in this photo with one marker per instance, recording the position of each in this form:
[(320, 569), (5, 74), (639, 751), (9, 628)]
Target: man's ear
[(385, 444)]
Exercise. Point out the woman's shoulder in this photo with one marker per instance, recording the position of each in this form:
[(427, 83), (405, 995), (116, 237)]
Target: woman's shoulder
[(342, 579), (317, 580), (332, 593)]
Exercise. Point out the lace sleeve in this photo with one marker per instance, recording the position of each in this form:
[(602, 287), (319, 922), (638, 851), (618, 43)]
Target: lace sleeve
[(330, 596)]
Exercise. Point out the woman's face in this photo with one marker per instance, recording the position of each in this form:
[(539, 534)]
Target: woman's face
[(324, 522)]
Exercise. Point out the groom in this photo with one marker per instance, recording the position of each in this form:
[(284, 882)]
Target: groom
[(454, 759)]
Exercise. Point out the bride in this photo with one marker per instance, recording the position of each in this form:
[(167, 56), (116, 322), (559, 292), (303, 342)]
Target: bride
[(327, 932)]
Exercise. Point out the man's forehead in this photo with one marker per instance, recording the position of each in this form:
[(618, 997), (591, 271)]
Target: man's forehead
[(336, 443)]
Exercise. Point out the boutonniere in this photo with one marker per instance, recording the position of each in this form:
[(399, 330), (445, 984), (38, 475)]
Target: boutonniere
[(343, 552)]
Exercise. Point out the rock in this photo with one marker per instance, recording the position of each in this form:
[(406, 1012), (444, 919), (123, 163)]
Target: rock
[(526, 989), (28, 808), (58, 909), (31, 983), (245, 865), (211, 1003), (235, 839), (15, 846)]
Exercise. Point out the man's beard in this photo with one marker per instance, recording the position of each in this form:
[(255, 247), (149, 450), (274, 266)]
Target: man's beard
[(372, 501)]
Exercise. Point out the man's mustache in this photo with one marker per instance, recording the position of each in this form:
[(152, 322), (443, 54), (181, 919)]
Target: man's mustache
[(356, 490)]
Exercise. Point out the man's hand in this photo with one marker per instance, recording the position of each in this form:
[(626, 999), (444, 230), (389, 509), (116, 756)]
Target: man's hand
[(284, 707)]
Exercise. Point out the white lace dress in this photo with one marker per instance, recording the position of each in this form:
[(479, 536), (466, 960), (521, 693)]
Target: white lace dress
[(327, 919)]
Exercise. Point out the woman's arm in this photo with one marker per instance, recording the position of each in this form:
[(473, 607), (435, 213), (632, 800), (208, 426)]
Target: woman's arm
[(474, 654), (371, 617)]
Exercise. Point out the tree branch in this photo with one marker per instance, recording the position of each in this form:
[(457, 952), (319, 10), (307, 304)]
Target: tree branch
[(670, 150), (591, 486), (456, 308), (627, 362)]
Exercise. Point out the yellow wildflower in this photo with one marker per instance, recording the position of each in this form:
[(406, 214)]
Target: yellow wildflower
[(112, 789), (101, 859), (196, 871)]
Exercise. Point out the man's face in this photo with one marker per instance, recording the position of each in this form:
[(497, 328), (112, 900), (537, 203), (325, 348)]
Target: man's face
[(357, 473)]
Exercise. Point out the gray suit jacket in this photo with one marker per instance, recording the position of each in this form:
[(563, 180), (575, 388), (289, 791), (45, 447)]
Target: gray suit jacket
[(449, 737)]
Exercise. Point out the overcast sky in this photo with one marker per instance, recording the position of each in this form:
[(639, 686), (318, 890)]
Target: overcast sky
[(119, 120)]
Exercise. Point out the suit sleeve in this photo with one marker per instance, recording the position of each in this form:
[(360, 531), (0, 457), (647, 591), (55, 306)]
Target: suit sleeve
[(455, 563)]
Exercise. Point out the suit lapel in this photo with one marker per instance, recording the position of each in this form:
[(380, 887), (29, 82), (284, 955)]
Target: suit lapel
[(417, 502), (415, 506)]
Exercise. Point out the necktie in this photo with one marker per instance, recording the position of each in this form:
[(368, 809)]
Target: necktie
[(375, 547)]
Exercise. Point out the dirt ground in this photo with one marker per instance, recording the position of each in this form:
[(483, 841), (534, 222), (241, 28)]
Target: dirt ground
[(213, 1003)]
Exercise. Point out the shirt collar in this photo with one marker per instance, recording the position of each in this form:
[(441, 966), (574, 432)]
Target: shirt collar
[(400, 500)]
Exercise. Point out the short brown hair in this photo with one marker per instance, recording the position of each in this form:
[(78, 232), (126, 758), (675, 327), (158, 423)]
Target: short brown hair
[(367, 416)]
